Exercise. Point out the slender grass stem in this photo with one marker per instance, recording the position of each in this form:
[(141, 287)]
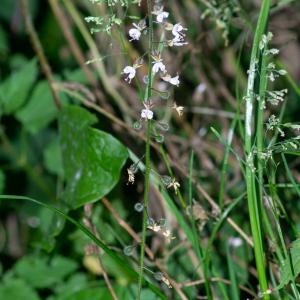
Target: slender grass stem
[(148, 135), (250, 176)]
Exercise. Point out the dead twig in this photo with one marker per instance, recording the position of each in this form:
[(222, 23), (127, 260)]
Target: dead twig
[(37, 46)]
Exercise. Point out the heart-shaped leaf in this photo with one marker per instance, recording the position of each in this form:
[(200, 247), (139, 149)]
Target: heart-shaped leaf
[(92, 159)]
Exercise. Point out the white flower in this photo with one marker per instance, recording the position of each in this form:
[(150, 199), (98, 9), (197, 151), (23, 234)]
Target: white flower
[(136, 31), (130, 72), (179, 109), (178, 30), (147, 114), (135, 34), (158, 66), (155, 227), (160, 15), (131, 177), (235, 242), (174, 184), (172, 80), (177, 41)]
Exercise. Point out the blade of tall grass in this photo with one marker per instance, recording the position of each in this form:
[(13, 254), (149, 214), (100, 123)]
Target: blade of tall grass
[(250, 177), (225, 162), (235, 293)]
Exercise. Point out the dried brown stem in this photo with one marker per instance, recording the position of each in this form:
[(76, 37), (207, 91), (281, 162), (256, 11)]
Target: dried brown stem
[(37, 46), (216, 279)]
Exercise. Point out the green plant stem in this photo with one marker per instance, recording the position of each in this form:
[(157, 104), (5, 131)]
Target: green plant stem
[(225, 163), (146, 198), (250, 176), (147, 158)]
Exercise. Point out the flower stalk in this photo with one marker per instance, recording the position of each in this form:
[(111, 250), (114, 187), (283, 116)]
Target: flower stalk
[(147, 156)]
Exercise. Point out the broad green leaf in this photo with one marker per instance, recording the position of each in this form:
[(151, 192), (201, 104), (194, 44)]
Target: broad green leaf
[(40, 110), (92, 159), (40, 273), (14, 90), (17, 289), (53, 158), (291, 268)]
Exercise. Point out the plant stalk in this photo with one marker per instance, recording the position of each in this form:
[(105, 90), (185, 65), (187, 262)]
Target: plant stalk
[(250, 176), (147, 158)]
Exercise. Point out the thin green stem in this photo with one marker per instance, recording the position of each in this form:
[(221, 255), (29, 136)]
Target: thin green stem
[(148, 135), (225, 162), (146, 198)]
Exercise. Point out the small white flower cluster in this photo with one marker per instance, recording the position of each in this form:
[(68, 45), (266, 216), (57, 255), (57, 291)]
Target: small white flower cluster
[(273, 73), (274, 123), (160, 228), (147, 113), (266, 38), (274, 97)]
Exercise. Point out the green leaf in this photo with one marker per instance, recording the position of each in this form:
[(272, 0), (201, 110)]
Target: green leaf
[(4, 45), (40, 109), (14, 90), (17, 289), (87, 294), (291, 265), (53, 158), (2, 181), (92, 159), (75, 283), (40, 273)]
